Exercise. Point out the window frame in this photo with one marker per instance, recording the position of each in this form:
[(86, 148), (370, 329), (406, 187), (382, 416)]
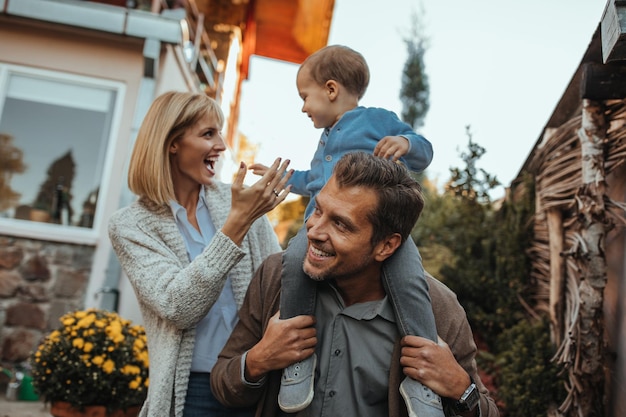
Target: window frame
[(57, 232)]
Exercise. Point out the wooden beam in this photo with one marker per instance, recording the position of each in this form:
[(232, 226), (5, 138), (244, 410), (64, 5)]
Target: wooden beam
[(613, 28), (603, 81)]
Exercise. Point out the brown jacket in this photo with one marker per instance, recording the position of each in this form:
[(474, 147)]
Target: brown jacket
[(262, 302)]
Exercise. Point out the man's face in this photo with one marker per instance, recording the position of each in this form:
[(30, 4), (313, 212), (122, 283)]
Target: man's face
[(339, 234)]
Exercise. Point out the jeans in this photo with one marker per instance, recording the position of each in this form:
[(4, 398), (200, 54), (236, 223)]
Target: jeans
[(200, 401), (402, 276)]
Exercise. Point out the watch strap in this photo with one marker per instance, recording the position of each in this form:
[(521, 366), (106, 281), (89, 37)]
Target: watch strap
[(470, 398)]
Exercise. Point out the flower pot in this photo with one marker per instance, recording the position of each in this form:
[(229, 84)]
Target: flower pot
[(65, 409), (38, 215)]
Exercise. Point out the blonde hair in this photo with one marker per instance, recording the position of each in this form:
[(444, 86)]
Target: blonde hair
[(167, 119), (339, 63)]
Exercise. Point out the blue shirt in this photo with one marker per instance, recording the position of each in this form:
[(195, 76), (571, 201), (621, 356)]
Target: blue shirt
[(359, 129), (213, 330)]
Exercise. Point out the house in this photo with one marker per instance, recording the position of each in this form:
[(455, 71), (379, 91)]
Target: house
[(76, 78), (578, 249)]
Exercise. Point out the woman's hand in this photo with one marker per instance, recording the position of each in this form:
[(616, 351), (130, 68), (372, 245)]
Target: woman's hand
[(250, 203)]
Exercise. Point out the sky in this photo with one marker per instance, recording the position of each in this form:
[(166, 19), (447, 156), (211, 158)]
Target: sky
[(499, 66)]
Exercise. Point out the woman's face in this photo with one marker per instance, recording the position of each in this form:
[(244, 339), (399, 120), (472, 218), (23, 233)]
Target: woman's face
[(195, 154)]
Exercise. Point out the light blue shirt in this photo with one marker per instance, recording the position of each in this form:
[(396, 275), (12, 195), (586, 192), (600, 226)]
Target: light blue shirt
[(359, 129), (213, 330)]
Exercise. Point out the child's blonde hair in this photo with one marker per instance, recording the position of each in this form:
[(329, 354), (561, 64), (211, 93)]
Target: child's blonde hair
[(339, 63)]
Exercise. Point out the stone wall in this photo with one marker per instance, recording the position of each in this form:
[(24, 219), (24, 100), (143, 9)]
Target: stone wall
[(39, 282)]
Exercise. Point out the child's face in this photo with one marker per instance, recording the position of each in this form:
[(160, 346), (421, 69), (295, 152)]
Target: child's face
[(317, 100)]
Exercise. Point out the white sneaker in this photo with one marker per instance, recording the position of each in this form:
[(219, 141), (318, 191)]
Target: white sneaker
[(420, 400), (296, 386)]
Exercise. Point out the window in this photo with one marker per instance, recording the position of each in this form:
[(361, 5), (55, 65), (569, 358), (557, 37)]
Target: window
[(56, 136)]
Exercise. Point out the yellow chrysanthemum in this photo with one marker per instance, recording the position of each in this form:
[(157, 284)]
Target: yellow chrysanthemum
[(114, 331), (86, 321), (135, 383), (139, 344), (55, 336), (144, 358), (108, 366), (131, 370), (102, 350)]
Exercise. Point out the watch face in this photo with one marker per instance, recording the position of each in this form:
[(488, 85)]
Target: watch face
[(469, 399)]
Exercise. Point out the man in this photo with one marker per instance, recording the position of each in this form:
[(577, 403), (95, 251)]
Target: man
[(362, 215)]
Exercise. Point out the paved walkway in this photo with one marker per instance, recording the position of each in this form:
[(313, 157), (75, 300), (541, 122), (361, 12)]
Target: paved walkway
[(22, 408)]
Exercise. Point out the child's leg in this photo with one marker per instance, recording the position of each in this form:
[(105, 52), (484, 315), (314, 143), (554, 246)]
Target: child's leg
[(297, 297), (406, 286), (298, 291)]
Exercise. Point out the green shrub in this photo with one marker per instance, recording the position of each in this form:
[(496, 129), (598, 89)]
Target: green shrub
[(528, 381)]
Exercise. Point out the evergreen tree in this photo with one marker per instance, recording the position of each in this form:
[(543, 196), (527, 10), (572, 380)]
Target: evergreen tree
[(55, 194), (415, 90)]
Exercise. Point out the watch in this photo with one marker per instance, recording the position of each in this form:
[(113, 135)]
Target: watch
[(469, 399)]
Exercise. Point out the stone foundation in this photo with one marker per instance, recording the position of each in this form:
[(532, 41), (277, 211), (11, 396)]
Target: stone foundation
[(39, 282)]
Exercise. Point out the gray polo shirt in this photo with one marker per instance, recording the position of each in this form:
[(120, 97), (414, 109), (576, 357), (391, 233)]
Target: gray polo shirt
[(354, 355)]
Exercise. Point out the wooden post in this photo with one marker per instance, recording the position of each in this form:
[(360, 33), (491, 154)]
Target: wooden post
[(557, 273), (591, 348)]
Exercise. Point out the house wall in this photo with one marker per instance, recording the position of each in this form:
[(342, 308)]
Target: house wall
[(556, 166), (42, 279), (172, 75)]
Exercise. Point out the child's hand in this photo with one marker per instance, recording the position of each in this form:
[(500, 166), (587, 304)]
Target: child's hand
[(258, 169), (392, 147)]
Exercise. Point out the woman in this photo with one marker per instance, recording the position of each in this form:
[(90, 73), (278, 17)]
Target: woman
[(189, 246)]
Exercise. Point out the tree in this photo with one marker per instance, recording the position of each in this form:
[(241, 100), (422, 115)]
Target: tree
[(470, 182), (480, 251), (415, 90), (55, 194), (11, 162)]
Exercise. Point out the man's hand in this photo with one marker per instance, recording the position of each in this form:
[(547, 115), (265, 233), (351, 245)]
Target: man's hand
[(433, 365), (392, 147), (284, 342)]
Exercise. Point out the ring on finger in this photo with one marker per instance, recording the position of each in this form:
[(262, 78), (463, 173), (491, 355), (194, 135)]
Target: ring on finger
[(275, 192)]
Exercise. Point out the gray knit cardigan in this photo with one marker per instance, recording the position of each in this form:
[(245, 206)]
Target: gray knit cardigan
[(174, 294)]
